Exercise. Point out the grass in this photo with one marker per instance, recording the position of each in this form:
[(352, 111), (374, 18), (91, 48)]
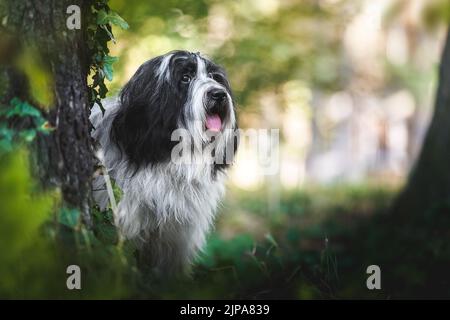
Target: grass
[(319, 245), (311, 244), (296, 252)]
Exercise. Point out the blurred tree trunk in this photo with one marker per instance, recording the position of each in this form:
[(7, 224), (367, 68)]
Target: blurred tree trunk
[(429, 182), (65, 157)]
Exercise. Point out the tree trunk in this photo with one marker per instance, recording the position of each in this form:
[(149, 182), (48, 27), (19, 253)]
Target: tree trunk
[(65, 157), (429, 182)]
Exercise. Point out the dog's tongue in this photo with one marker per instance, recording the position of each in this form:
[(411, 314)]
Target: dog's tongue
[(213, 122)]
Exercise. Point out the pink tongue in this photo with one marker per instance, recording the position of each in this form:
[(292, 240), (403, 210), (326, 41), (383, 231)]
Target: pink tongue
[(213, 122)]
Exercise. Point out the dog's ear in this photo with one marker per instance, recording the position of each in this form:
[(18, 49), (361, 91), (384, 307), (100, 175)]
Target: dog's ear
[(147, 115)]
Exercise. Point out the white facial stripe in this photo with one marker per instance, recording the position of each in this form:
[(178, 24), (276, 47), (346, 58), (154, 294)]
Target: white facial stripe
[(195, 109), (201, 68), (163, 68)]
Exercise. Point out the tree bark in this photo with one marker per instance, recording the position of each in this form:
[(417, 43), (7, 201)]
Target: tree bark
[(429, 182), (65, 157)]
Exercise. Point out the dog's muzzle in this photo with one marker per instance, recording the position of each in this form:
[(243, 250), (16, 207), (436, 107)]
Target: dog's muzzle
[(217, 108)]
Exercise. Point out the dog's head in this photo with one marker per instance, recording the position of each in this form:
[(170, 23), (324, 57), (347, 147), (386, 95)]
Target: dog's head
[(178, 90)]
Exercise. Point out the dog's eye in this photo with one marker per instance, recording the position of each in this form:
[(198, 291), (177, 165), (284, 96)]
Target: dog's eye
[(186, 78)]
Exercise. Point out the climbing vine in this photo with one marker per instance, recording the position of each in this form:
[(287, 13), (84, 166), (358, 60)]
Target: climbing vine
[(30, 119), (20, 122), (99, 34)]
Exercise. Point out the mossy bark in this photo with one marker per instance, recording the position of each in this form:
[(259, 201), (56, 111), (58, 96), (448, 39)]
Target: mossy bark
[(65, 157)]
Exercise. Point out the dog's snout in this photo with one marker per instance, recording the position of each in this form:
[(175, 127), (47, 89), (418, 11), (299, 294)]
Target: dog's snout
[(217, 94)]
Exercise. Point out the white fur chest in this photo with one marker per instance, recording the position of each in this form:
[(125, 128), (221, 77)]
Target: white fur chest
[(159, 197)]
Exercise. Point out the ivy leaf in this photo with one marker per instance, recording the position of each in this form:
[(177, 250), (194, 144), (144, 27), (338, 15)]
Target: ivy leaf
[(104, 227), (102, 108), (45, 127), (101, 74), (98, 57), (102, 90), (112, 17), (102, 36), (69, 217), (5, 132), (28, 135), (108, 71), (102, 17), (95, 81), (109, 59), (22, 108), (6, 136), (109, 33), (94, 94), (107, 66), (99, 33), (5, 145)]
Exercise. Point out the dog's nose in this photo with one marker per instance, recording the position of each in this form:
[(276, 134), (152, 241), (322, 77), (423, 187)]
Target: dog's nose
[(217, 94)]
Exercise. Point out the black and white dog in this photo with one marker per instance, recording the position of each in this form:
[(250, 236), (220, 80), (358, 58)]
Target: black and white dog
[(153, 139)]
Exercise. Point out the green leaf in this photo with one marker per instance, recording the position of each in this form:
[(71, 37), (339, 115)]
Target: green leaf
[(69, 217), (109, 59), (107, 233), (109, 33), (102, 108), (108, 68), (6, 136), (113, 18), (102, 90), (101, 74), (5, 145), (28, 135), (102, 17), (5, 132), (44, 126), (22, 108)]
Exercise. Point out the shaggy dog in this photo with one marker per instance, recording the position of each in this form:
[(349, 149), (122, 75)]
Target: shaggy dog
[(167, 141)]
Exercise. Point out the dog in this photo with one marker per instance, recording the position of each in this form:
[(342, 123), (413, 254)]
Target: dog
[(152, 139)]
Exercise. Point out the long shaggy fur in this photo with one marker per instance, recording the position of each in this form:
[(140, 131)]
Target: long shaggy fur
[(167, 207)]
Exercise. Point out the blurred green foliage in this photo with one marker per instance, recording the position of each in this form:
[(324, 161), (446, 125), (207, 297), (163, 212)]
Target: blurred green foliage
[(38, 245), (436, 12), (37, 72), (262, 44), (99, 34), (315, 244), (20, 122), (25, 254)]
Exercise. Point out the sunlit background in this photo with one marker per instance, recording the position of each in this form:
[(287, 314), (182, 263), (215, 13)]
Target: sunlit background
[(350, 84)]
